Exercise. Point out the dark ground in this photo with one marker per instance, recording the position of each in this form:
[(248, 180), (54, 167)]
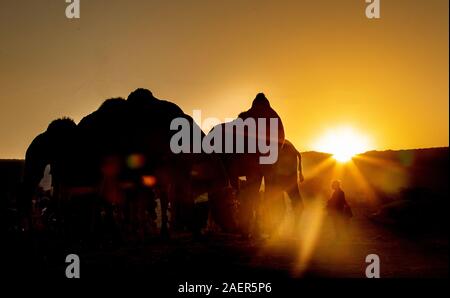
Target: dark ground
[(222, 255), (308, 259), (159, 267)]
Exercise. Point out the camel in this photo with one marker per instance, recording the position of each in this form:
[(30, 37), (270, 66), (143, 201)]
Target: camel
[(247, 164), (121, 152)]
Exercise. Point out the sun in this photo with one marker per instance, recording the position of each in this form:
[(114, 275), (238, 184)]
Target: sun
[(343, 143)]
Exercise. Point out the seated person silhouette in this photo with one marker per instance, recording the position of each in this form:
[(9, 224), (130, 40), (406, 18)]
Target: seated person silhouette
[(338, 209)]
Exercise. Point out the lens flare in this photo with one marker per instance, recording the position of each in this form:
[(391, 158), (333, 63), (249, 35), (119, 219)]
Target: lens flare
[(148, 180), (136, 161), (343, 143)]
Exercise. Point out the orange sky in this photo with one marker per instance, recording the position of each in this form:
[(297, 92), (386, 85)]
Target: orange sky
[(322, 64)]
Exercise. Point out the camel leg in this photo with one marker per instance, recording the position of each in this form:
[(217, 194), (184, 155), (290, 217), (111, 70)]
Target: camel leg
[(297, 203), (164, 199), (249, 197)]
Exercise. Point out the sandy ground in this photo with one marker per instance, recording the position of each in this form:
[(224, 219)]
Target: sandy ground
[(313, 254), (308, 252)]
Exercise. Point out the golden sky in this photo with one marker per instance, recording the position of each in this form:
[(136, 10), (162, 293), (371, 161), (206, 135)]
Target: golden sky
[(321, 63)]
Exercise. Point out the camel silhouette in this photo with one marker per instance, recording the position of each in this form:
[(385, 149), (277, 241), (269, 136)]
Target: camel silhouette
[(52, 147), (247, 164), (121, 153), (117, 161)]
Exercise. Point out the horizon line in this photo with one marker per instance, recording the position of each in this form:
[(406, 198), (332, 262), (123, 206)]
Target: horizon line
[(307, 151)]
